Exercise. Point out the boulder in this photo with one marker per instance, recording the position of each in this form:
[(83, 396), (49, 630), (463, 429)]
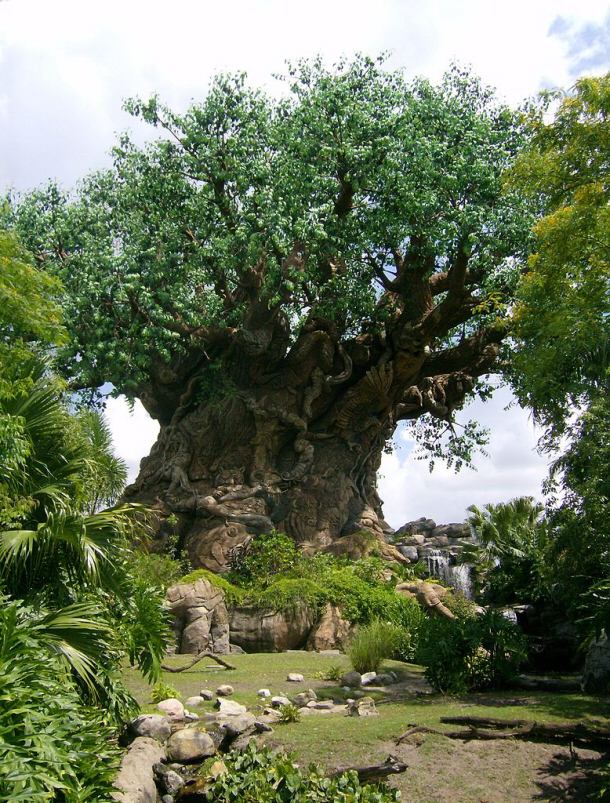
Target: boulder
[(193, 702), (190, 744), (330, 632), (155, 726), (410, 552), (280, 700), (364, 707), (206, 694), (200, 617), (224, 690), (367, 678), (229, 707), (172, 708), (270, 631), (135, 780), (352, 679), (305, 697), (239, 724), (264, 693), (295, 677)]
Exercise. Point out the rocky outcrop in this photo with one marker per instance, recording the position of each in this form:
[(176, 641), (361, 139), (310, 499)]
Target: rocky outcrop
[(330, 632), (200, 617), (429, 595), (423, 539), (135, 782), (270, 631)]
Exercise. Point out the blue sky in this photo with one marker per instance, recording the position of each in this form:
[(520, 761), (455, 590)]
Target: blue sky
[(67, 65)]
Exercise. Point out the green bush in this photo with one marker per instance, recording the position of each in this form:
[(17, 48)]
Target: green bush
[(52, 747), (156, 571), (163, 691), (285, 593), (470, 653), (373, 643), (259, 776), (261, 559), (232, 592)]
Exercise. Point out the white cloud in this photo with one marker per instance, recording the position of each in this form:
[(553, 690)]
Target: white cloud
[(134, 433), (513, 468)]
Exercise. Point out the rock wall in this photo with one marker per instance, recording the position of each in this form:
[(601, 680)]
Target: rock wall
[(424, 539)]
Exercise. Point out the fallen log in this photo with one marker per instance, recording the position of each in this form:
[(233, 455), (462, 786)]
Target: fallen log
[(531, 683), (489, 728), (196, 660), (376, 772)]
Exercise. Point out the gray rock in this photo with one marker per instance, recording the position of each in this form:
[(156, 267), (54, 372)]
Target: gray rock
[(295, 677), (351, 679), (206, 694), (322, 705), (170, 781), (155, 726), (276, 702), (368, 678), (135, 780), (225, 690), (201, 621), (409, 552), (190, 716), (264, 693), (239, 724), (365, 707), (305, 696), (384, 680), (596, 674), (193, 702), (358, 694), (172, 708), (190, 744), (229, 707)]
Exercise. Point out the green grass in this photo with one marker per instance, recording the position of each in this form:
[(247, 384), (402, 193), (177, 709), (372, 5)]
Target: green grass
[(337, 741)]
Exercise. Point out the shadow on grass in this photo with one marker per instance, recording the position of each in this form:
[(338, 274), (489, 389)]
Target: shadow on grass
[(561, 707), (570, 779)]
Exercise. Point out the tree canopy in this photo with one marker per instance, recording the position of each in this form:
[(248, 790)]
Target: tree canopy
[(282, 280), (563, 312)]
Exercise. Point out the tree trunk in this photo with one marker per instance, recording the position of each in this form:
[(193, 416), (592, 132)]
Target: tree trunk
[(289, 439)]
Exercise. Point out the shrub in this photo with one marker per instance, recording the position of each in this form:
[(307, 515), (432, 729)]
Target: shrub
[(52, 747), (156, 571), (258, 776), (262, 558), (373, 643), (163, 691), (232, 592), (470, 653), (289, 713)]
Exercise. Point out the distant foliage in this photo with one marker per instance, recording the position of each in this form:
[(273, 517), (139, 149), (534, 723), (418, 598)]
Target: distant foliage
[(163, 691), (261, 776), (470, 653)]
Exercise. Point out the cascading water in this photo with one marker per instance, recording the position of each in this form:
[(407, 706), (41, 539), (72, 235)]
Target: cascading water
[(456, 576)]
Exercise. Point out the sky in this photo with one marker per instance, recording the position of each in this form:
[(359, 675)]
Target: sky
[(66, 66)]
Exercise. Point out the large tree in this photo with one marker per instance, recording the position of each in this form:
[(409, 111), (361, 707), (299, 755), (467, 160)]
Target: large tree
[(282, 281)]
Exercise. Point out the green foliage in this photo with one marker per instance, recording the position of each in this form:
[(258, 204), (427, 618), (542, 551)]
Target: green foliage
[(334, 672), (510, 552), (470, 653), (562, 320), (258, 776), (52, 748), (258, 561), (288, 714), (373, 643), (285, 593), (292, 209), (163, 691), (232, 592), (154, 570)]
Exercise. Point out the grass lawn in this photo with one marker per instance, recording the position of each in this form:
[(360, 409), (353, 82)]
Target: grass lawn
[(440, 769)]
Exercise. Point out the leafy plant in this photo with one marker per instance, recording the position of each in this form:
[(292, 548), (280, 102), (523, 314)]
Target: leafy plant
[(371, 644), (470, 653), (262, 558), (289, 713), (258, 776), (334, 673), (163, 691)]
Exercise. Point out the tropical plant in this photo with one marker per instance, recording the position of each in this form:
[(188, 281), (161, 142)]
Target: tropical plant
[(163, 691), (470, 653), (509, 551), (52, 747), (255, 775)]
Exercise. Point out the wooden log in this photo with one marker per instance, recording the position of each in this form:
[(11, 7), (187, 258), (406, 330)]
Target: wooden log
[(376, 772), (489, 728), (196, 660)]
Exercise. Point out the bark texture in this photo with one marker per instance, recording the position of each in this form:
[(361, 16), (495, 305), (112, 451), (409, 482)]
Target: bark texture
[(259, 433)]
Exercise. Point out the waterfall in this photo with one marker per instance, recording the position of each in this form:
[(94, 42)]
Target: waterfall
[(452, 575)]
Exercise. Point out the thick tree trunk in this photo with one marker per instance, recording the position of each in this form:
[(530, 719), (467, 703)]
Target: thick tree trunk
[(259, 435), (252, 465)]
